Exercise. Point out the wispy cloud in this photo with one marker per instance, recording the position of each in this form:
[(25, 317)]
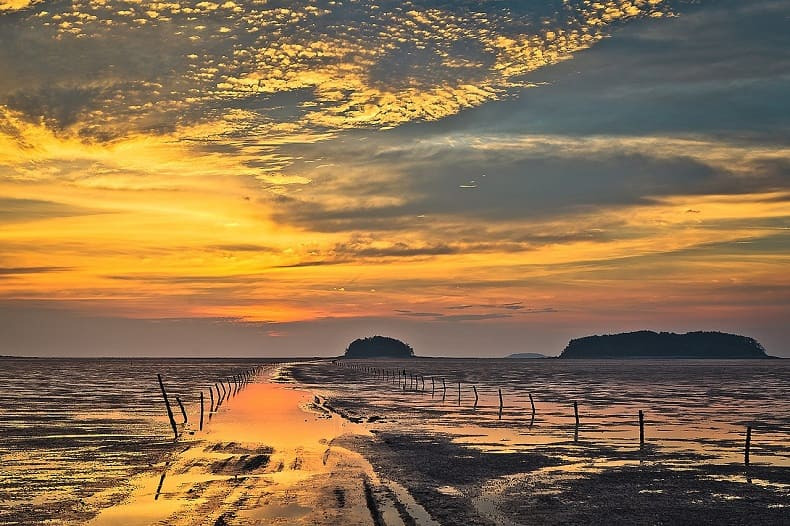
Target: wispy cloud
[(452, 164), (16, 271)]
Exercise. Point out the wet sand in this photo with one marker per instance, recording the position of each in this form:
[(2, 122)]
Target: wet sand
[(467, 466), (271, 455), (303, 447)]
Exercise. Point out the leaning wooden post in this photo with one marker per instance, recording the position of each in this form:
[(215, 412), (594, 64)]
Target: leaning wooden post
[(532, 402), (748, 445), (201, 410), (474, 388), (423, 382), (433, 386), (183, 411), (576, 412), (211, 394), (641, 429), (501, 405), (167, 405)]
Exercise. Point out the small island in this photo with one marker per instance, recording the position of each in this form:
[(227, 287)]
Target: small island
[(525, 355), (649, 344), (378, 347)]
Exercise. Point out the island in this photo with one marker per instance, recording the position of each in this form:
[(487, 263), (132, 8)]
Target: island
[(378, 347), (649, 344), (525, 355)]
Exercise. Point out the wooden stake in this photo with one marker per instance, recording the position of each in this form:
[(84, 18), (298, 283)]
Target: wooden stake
[(211, 394), (748, 445), (532, 402), (459, 393), (201, 410), (161, 481), (576, 412), (641, 429), (167, 405), (475, 390), (183, 411)]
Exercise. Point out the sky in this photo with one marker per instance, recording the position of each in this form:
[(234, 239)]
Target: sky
[(477, 177)]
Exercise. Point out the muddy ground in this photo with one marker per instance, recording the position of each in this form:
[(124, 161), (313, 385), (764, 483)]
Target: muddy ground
[(575, 482)]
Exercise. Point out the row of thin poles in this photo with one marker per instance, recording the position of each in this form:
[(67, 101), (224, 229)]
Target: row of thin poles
[(226, 388), (416, 382), (408, 381)]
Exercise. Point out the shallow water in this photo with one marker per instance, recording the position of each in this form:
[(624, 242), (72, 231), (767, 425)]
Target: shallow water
[(261, 461), (693, 409), (70, 428)]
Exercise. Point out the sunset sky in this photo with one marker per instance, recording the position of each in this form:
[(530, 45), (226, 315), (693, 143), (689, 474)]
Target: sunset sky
[(476, 177)]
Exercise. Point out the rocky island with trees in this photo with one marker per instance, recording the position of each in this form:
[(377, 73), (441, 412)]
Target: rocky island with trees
[(378, 347), (649, 344)]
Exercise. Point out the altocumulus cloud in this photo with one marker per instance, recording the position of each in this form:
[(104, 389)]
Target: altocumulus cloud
[(102, 69)]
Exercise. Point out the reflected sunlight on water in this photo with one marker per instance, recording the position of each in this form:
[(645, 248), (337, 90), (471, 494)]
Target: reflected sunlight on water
[(70, 428), (73, 432), (691, 406)]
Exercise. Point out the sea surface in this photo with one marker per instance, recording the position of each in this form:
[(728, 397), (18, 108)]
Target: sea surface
[(71, 428), (694, 411)]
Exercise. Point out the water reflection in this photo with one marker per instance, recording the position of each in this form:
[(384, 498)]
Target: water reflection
[(76, 427), (688, 406)]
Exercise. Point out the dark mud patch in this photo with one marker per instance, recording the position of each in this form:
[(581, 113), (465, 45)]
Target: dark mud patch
[(237, 449), (224, 519), (370, 501), (340, 497), (237, 465), (642, 495), (425, 463), (254, 462)]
